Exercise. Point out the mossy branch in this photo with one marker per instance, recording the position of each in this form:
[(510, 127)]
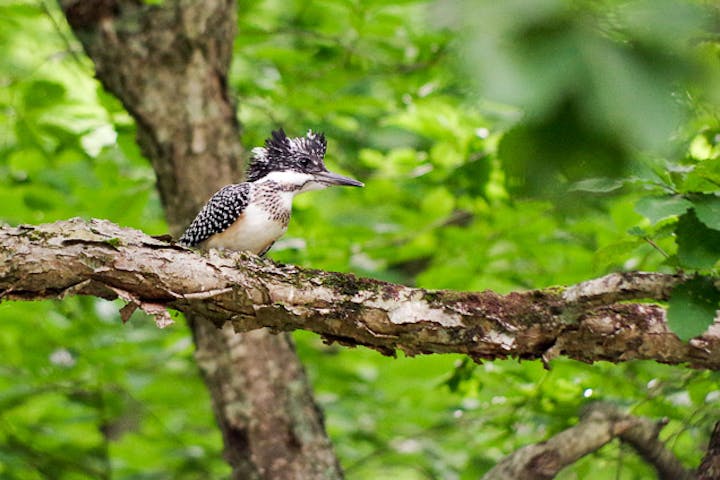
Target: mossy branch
[(590, 321)]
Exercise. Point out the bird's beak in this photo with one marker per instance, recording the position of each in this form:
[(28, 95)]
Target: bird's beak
[(337, 179)]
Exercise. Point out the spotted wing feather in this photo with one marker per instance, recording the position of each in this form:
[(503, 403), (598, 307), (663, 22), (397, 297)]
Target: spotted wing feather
[(218, 214)]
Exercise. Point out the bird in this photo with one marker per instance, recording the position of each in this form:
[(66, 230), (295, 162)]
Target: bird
[(252, 215)]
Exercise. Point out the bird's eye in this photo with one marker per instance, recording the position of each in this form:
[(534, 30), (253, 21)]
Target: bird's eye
[(306, 162)]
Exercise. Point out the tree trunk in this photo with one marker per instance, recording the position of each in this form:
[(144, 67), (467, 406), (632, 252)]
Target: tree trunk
[(168, 64)]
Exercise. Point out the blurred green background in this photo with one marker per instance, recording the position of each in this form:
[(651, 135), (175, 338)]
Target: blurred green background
[(504, 146)]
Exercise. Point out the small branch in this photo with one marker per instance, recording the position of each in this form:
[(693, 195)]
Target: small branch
[(600, 424), (710, 466), (584, 321), (643, 437)]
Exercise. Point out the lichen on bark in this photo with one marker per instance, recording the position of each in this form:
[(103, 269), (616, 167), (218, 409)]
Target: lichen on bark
[(250, 292)]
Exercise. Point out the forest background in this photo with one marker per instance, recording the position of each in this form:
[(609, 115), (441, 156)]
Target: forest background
[(504, 146)]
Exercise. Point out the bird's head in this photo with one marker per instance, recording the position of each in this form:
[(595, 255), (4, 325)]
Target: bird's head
[(296, 162)]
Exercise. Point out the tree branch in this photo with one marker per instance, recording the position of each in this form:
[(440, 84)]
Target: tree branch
[(99, 258), (599, 425), (710, 467)]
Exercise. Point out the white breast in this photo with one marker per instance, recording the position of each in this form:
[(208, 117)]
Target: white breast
[(254, 231)]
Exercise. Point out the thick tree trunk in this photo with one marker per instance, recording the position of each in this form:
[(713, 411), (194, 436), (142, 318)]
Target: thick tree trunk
[(168, 64)]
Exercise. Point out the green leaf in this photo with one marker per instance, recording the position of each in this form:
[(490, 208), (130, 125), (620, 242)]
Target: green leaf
[(438, 202), (708, 171), (707, 209), (446, 155), (692, 307), (42, 94), (615, 253), (597, 185), (704, 146), (637, 232), (698, 245), (461, 374), (662, 207)]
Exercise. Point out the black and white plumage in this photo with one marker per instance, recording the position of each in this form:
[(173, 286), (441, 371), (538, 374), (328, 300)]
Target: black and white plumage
[(283, 153), (254, 214), (219, 213)]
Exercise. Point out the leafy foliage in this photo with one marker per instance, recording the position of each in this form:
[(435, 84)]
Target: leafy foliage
[(690, 306), (504, 145)]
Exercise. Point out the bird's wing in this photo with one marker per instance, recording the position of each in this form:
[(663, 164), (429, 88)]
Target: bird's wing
[(218, 214)]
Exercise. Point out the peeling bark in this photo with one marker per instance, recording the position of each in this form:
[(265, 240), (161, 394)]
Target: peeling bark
[(99, 258), (600, 424), (168, 65)]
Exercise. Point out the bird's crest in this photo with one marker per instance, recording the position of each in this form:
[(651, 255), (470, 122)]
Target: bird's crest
[(283, 153)]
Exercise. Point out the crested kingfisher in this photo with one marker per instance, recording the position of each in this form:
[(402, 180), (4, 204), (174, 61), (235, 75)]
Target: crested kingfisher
[(252, 215)]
